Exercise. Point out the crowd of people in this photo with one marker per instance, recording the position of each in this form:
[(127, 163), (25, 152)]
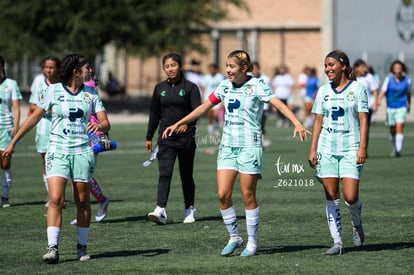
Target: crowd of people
[(66, 109)]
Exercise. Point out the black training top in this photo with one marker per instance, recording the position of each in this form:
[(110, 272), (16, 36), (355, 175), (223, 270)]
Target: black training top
[(172, 102)]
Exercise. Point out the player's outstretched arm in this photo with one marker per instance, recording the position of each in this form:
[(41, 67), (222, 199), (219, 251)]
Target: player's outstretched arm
[(299, 129), (195, 114)]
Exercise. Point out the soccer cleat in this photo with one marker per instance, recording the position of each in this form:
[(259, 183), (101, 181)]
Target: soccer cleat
[(82, 253), (102, 210), (189, 215), (52, 256), (247, 253), (231, 246), (74, 222), (337, 249), (358, 235), (5, 202), (158, 216)]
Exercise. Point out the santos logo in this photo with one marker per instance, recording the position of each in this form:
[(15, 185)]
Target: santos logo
[(337, 112), (233, 104)]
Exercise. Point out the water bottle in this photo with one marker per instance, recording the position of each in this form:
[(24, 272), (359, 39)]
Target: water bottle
[(96, 144)]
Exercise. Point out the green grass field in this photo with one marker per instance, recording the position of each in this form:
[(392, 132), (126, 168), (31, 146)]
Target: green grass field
[(293, 234)]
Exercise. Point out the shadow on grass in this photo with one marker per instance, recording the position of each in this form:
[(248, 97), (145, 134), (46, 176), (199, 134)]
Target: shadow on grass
[(293, 248), (199, 219), (382, 246), (127, 253), (126, 219), (403, 156)]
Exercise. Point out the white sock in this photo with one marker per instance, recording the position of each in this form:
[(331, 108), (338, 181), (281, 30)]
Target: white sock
[(252, 224), (53, 234), (6, 182), (45, 181), (399, 142), (230, 220), (355, 212), (83, 235), (333, 216), (392, 139)]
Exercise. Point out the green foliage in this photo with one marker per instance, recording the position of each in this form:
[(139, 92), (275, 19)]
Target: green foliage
[(43, 27), (293, 233)]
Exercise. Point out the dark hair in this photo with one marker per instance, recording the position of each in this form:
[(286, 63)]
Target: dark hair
[(404, 67), (343, 59), (2, 63), (69, 63), (52, 58), (359, 62), (174, 57), (243, 57)]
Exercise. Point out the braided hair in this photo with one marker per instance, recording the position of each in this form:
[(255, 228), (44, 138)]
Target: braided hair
[(2, 63), (69, 63)]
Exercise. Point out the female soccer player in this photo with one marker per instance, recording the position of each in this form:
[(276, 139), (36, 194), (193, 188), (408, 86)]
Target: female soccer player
[(69, 154), (49, 65), (9, 124), (172, 100), (338, 147), (241, 148), (397, 89)]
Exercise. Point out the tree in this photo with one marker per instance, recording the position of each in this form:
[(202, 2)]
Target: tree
[(145, 27)]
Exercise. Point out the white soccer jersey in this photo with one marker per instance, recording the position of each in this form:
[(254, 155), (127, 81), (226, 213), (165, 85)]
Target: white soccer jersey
[(282, 84), (244, 109), (370, 84), (211, 82), (70, 115), (9, 91), (39, 89), (340, 127)]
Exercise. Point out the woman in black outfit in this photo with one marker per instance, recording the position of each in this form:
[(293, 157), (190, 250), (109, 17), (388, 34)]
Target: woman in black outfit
[(173, 99)]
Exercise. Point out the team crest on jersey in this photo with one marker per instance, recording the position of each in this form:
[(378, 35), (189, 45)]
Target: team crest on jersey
[(350, 96), (248, 90), (87, 98), (405, 20)]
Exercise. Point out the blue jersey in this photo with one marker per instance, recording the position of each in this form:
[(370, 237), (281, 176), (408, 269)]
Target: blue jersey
[(396, 92), (312, 83)]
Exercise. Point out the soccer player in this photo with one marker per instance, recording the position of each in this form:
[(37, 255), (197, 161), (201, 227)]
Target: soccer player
[(49, 66), (241, 150), (311, 87), (10, 97), (69, 154), (173, 99), (371, 86), (338, 147), (397, 89)]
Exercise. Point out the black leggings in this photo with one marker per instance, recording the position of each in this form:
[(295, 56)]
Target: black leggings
[(169, 149)]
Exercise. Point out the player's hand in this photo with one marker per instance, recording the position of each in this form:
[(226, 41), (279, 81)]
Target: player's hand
[(302, 131), (169, 131), (7, 153), (361, 156), (92, 127), (181, 129), (148, 146), (312, 160)]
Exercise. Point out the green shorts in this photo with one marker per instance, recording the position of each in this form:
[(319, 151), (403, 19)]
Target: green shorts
[(244, 160), (79, 167), (5, 138), (396, 115), (334, 166), (42, 142)]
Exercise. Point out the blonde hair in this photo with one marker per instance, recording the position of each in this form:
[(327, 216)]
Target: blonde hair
[(243, 58)]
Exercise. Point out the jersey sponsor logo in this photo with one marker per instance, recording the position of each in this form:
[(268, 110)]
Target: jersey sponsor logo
[(233, 104), (326, 98), (163, 93), (61, 98), (181, 92), (337, 112), (226, 90), (75, 113)]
